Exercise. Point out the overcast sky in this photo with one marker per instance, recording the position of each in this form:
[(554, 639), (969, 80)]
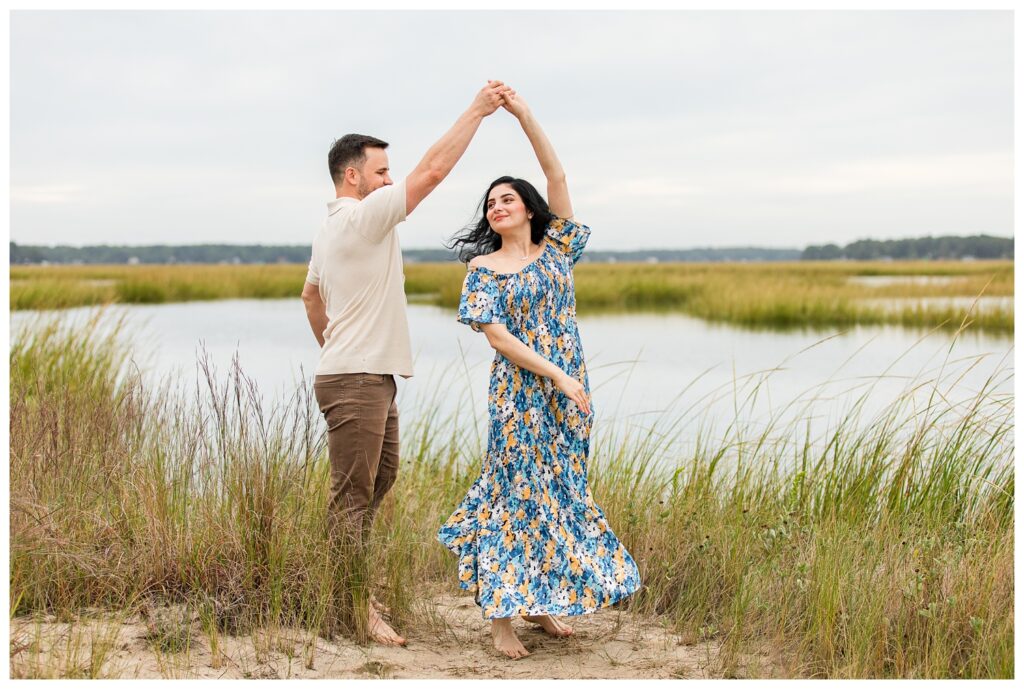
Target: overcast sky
[(676, 129)]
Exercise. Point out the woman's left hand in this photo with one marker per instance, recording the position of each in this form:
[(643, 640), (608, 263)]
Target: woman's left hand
[(515, 104), (574, 390)]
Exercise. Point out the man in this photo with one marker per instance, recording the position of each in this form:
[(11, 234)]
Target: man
[(355, 301)]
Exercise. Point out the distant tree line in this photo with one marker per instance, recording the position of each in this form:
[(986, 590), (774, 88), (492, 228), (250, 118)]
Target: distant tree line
[(236, 253), (743, 253), (979, 246), (161, 253)]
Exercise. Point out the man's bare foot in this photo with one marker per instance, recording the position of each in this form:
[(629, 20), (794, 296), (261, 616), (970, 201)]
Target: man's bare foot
[(550, 624), (505, 639), (381, 608), (381, 632)]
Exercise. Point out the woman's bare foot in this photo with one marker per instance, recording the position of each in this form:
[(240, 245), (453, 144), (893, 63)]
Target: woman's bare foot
[(550, 624), (381, 632), (505, 639)]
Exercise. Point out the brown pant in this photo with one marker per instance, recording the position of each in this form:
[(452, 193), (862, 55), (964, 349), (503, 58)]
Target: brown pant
[(362, 443)]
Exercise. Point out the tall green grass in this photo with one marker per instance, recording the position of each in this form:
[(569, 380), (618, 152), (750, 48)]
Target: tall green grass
[(883, 549), (767, 295)]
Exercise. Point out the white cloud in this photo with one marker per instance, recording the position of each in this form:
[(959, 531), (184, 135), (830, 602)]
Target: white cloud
[(47, 194)]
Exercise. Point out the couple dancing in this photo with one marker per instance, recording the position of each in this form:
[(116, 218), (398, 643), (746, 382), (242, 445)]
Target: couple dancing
[(530, 540)]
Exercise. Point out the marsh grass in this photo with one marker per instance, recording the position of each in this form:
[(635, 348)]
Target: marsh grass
[(83, 649), (757, 295), (35, 287), (882, 549)]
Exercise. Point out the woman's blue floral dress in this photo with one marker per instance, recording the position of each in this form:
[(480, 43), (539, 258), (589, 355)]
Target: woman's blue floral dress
[(529, 536)]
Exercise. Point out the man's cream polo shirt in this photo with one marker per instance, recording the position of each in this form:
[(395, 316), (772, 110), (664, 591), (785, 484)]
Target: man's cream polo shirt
[(357, 262)]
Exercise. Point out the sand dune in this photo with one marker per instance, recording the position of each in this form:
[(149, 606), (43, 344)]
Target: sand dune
[(454, 644)]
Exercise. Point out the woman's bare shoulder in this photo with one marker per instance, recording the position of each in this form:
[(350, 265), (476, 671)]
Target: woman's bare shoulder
[(482, 261)]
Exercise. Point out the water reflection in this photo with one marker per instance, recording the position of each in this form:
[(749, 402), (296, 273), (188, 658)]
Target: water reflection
[(886, 280)]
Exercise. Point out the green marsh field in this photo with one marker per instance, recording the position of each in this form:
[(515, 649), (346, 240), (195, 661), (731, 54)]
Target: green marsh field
[(756, 294), (885, 551)]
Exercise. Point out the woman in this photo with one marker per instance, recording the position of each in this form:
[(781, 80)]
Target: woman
[(531, 540)]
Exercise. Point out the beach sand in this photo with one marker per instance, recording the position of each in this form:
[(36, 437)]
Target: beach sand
[(455, 643)]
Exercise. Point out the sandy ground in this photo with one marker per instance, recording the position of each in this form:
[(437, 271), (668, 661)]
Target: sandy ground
[(455, 644)]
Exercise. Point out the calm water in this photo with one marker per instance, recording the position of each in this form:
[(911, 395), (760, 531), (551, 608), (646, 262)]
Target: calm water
[(667, 372)]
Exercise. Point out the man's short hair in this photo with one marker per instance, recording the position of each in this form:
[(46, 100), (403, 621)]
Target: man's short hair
[(350, 151)]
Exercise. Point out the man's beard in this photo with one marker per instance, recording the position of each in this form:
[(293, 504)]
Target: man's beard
[(363, 189)]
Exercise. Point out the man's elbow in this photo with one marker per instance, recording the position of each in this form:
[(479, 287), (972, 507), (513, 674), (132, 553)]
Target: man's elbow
[(436, 175), (430, 174), (419, 185), (311, 302), (310, 292)]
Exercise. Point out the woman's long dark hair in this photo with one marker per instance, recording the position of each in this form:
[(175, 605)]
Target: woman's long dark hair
[(477, 238)]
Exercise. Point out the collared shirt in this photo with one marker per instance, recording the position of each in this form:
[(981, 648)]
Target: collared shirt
[(357, 263)]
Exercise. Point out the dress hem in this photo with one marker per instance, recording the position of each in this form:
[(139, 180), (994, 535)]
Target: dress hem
[(548, 610)]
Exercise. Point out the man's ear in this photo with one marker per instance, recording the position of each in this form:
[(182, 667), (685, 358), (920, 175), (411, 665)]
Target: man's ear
[(351, 176)]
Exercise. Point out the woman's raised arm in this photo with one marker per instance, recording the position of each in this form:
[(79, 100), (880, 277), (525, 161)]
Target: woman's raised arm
[(558, 190)]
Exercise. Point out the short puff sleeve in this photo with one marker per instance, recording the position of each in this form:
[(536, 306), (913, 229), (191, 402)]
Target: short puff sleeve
[(568, 236), (481, 299)]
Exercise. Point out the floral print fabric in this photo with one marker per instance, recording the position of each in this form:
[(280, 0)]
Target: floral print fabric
[(529, 537)]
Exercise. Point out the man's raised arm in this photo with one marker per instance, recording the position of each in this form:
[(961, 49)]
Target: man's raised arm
[(443, 155)]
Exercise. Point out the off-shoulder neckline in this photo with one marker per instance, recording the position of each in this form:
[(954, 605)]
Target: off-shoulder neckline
[(501, 275)]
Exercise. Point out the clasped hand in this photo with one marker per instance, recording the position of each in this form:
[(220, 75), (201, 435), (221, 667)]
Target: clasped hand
[(498, 94)]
